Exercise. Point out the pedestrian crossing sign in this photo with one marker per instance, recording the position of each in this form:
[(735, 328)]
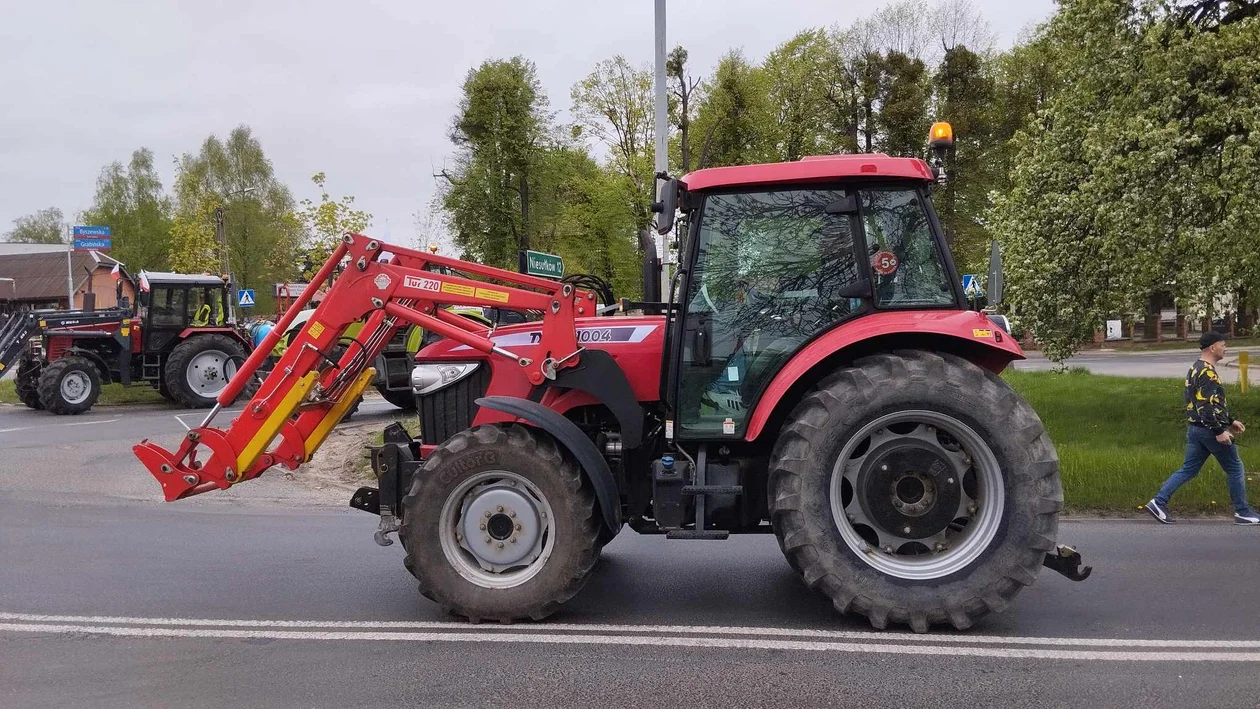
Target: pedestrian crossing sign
[(245, 297), (972, 287)]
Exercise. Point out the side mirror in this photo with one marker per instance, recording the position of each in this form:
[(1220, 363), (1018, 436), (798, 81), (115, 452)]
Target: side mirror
[(994, 290), (666, 208)]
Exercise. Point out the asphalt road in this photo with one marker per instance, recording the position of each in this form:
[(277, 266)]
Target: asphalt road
[(268, 596), (1160, 363)]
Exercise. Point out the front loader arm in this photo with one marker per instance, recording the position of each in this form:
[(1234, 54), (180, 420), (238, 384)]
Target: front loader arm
[(308, 392)]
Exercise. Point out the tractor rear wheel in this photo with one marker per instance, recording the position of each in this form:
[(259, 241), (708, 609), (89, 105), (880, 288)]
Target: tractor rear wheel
[(915, 488), (27, 384), (69, 386), (200, 367), (500, 525)]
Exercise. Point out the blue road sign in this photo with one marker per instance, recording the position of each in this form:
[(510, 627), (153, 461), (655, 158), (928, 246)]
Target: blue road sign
[(93, 244), (245, 297), (91, 231), (972, 287)]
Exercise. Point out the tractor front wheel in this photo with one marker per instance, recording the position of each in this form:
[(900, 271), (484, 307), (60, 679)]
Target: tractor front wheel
[(27, 384), (915, 488), (500, 525), (69, 386), (200, 367)]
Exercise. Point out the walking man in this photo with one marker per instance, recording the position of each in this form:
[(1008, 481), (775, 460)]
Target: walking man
[(1211, 432)]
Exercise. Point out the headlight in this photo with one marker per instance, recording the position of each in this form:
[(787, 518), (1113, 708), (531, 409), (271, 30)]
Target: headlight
[(428, 378)]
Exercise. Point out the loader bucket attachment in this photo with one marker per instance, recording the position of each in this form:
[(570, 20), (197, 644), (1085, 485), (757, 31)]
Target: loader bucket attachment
[(309, 391)]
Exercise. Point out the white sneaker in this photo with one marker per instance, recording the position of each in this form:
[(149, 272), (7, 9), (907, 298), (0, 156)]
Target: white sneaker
[(1247, 519)]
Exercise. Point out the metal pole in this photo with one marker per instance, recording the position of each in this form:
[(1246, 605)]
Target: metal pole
[(69, 271), (662, 139)]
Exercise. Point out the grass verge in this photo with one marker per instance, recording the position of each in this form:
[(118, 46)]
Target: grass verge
[(111, 394), (1118, 440)]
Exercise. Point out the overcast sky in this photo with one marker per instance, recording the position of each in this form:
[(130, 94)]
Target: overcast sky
[(363, 91)]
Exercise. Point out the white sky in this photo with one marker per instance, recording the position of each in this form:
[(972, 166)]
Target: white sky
[(363, 91)]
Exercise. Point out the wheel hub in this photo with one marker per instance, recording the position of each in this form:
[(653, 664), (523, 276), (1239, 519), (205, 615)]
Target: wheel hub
[(209, 371), (917, 494), (75, 387), (910, 489), (501, 526)]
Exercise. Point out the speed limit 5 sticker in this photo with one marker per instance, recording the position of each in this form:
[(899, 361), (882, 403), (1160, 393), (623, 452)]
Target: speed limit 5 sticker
[(884, 263)]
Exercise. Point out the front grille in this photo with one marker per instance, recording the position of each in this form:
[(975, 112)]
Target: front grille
[(448, 411)]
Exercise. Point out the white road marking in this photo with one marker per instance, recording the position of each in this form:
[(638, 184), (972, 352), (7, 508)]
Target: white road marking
[(11, 430), (639, 640), (90, 423), (543, 629)]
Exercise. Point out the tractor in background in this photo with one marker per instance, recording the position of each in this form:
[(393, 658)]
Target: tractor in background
[(177, 339)]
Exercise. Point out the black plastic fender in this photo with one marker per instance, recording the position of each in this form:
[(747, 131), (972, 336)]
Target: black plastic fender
[(571, 437)]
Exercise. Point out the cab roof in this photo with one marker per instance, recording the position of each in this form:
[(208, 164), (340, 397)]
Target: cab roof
[(815, 168), (192, 279)]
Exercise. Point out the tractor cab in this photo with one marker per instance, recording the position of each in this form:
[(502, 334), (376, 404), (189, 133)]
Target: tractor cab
[(176, 302), (771, 267)]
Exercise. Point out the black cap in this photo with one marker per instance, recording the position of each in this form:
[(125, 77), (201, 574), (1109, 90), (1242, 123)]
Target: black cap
[(1210, 338)]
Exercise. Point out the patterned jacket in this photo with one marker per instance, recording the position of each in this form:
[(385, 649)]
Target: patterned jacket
[(1205, 399)]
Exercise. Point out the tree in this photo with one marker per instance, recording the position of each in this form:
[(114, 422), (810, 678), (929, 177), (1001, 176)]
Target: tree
[(683, 90), (47, 226), (500, 133), (261, 230), (903, 104), (323, 224), (130, 200), (797, 93), (1128, 181), (615, 104), (964, 91), (735, 116)]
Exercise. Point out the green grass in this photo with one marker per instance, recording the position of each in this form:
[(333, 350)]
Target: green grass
[(1118, 440), (111, 394)]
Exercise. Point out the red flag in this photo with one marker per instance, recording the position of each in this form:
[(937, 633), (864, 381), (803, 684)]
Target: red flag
[(144, 282), (116, 273)]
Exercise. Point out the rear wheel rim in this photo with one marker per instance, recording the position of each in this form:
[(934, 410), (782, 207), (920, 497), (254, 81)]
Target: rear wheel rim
[(917, 495), (208, 372), (496, 529), (76, 387)]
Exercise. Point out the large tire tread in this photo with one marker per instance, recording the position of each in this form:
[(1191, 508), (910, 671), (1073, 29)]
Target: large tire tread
[(50, 386), (27, 384), (568, 570), (174, 372), (843, 399)]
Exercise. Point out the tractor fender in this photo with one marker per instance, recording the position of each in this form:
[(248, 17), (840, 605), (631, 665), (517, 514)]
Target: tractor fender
[(229, 331), (594, 466), (967, 333), (101, 366)]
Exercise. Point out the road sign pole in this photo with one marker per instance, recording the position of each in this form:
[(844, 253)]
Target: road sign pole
[(69, 271)]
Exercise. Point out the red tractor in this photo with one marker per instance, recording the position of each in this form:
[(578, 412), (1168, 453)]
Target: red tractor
[(815, 374), (176, 339)]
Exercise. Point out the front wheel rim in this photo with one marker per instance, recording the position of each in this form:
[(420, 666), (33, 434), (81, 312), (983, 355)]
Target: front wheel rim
[(497, 529), (76, 387), (917, 495)]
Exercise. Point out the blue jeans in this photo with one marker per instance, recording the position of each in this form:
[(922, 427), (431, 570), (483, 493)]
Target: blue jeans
[(1201, 443)]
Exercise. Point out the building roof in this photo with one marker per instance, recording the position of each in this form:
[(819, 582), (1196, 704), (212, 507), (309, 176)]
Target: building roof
[(816, 168), (42, 276), (9, 247)]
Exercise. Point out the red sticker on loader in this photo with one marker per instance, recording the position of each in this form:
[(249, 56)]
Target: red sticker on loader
[(884, 263)]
